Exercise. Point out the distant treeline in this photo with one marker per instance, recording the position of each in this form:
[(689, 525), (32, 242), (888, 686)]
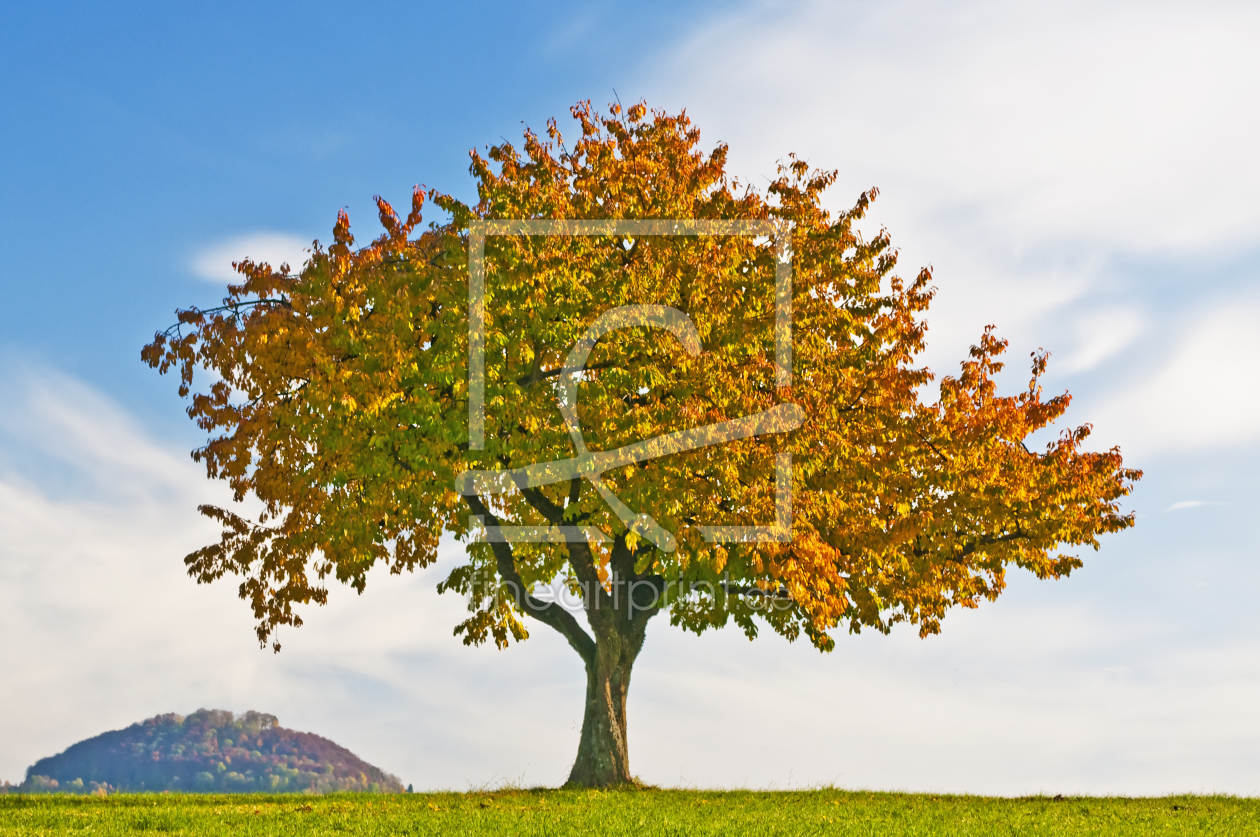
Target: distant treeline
[(209, 751)]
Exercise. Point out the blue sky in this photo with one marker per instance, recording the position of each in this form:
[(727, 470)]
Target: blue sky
[(1081, 174)]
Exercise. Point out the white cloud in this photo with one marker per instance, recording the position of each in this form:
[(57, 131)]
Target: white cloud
[(1017, 699), (102, 627), (1117, 121), (1100, 334), (1033, 153), (54, 418), (1189, 504), (1184, 504), (1207, 395), (214, 263)]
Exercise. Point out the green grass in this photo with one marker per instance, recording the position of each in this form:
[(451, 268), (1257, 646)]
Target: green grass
[(646, 812)]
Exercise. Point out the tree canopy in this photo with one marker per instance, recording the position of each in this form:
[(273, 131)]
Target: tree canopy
[(341, 400)]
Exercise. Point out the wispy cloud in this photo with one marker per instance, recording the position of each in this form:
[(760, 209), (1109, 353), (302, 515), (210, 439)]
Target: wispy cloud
[(1207, 393), (1101, 334), (1027, 152), (102, 627), (1116, 121), (1190, 504), (214, 262)]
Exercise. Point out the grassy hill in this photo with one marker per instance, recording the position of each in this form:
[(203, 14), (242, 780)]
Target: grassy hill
[(209, 751)]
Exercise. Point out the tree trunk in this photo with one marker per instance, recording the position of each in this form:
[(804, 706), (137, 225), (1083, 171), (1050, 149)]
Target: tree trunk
[(618, 617), (603, 758)]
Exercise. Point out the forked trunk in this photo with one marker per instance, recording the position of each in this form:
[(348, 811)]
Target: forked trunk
[(603, 759)]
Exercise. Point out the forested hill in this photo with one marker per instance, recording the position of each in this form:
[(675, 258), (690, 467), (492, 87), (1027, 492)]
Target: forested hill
[(212, 751)]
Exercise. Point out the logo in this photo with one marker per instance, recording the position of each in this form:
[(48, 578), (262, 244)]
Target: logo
[(591, 465)]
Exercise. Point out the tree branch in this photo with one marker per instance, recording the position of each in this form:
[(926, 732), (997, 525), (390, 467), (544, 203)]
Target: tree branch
[(549, 613), (538, 375), (543, 505), (969, 547), (234, 307), (580, 558)]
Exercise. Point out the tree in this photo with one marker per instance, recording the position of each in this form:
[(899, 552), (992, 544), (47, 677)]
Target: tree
[(342, 403)]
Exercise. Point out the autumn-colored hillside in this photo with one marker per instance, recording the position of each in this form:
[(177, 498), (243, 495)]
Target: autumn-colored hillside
[(211, 751)]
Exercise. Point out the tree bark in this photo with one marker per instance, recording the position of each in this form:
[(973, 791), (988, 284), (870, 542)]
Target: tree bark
[(619, 623), (603, 757)]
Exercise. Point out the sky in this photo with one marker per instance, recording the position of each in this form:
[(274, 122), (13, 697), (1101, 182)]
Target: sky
[(1081, 175)]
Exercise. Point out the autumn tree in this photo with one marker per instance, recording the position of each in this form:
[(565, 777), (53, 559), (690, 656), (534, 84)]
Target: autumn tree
[(632, 435)]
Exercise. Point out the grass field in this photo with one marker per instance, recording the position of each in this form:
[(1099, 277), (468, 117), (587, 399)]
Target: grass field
[(654, 812)]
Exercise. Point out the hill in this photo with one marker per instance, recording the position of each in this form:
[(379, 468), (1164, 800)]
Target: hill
[(211, 751)]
